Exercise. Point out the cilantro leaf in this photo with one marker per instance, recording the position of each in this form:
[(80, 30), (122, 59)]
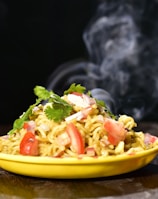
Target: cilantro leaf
[(42, 93), (102, 104), (60, 108), (57, 112), (75, 88), (57, 99), (18, 123)]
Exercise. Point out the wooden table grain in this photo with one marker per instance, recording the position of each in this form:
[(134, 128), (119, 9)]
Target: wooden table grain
[(142, 183)]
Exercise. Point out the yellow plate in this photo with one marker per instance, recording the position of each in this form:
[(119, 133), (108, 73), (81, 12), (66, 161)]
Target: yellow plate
[(69, 168)]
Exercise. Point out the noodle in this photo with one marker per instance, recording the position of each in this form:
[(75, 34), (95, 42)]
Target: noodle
[(54, 139)]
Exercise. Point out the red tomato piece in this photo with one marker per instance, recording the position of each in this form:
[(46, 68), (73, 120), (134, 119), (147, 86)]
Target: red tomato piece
[(76, 138), (26, 125), (29, 145), (115, 130)]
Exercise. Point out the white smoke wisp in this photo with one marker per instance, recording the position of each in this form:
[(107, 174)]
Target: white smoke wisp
[(122, 55), (122, 65)]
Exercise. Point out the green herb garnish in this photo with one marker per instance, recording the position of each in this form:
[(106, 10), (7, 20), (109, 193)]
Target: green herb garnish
[(101, 103), (75, 88), (18, 123), (59, 109)]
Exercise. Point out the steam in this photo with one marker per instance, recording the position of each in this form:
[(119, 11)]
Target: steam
[(122, 66)]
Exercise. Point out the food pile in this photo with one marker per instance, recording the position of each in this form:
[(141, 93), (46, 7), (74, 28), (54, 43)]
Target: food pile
[(73, 125)]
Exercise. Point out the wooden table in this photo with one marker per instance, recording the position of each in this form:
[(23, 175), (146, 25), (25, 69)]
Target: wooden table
[(142, 183)]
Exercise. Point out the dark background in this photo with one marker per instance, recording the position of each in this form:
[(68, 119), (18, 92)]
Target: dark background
[(35, 38)]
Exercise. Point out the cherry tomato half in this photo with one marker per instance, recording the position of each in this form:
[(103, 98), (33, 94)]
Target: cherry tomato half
[(115, 130), (29, 145), (76, 138)]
